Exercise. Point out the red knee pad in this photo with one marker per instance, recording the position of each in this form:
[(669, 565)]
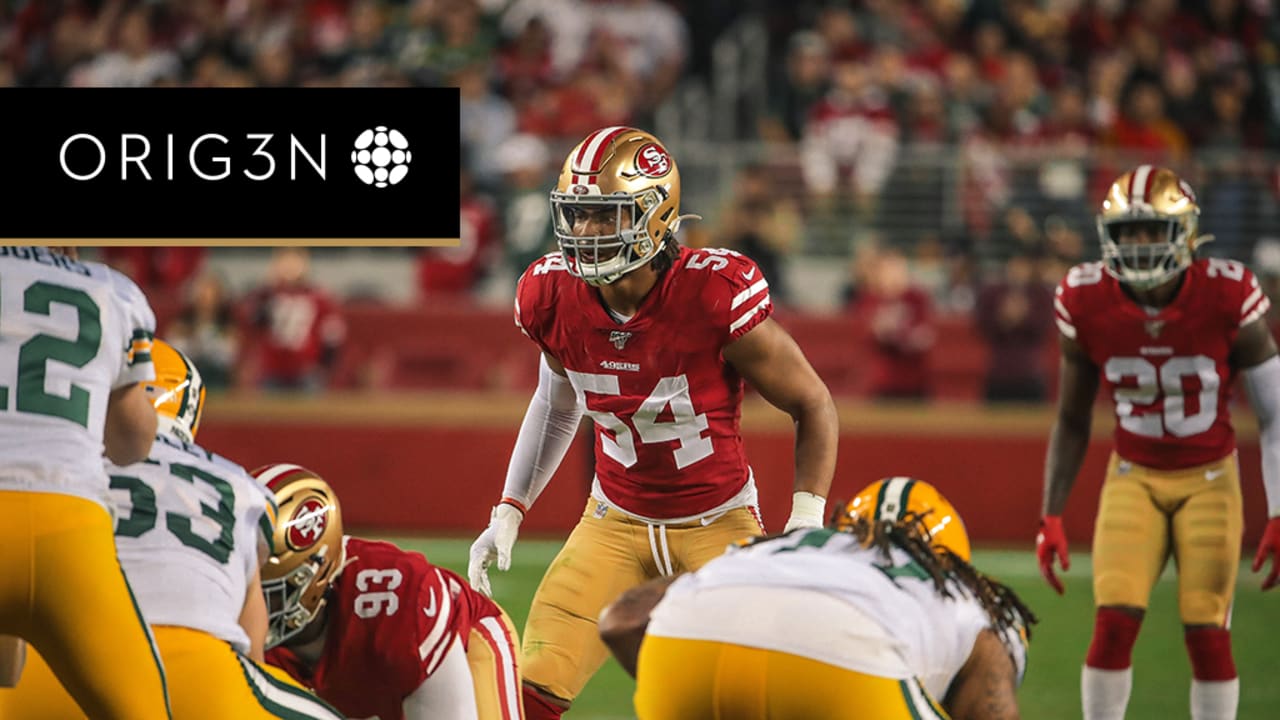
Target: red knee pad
[(536, 707), (1114, 634), (1210, 651)]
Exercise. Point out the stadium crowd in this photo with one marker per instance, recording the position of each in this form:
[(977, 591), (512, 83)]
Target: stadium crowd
[(950, 154)]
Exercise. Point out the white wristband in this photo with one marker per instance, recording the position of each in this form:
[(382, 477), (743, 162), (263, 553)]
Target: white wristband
[(807, 510)]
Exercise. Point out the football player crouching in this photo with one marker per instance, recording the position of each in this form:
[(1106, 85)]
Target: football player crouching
[(374, 629), (192, 530), (878, 616)]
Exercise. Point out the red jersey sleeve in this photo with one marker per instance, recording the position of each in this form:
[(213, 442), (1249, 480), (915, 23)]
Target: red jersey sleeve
[(441, 619), (1069, 301), (1242, 294), (533, 305), (735, 293)]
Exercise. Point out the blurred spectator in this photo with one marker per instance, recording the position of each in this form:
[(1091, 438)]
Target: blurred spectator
[(134, 60), (206, 330), (1014, 315), (458, 270), (487, 119), (851, 139), (900, 317), (526, 211), (298, 326), (161, 272), (793, 92), (1144, 132), (651, 41), (763, 225)]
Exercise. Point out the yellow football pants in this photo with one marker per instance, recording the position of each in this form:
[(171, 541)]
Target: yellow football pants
[(606, 554), (208, 680), (679, 679), (1145, 515), (62, 590), (495, 670)]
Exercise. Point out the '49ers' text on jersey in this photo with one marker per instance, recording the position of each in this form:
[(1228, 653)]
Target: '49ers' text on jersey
[(1169, 372), (392, 617), (665, 403)]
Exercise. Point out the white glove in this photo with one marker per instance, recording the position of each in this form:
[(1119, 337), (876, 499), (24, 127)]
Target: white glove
[(494, 543), (807, 511)]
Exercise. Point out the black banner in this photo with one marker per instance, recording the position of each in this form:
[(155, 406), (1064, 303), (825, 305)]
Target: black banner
[(354, 164)]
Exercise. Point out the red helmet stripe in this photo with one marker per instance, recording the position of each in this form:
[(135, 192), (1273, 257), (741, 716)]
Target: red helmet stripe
[(272, 475), (1140, 184), (592, 152)]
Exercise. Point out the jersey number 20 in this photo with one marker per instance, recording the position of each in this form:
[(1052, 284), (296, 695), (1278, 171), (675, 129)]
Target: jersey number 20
[(1166, 381)]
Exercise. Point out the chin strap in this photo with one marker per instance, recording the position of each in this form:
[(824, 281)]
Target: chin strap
[(1201, 240), (675, 226)]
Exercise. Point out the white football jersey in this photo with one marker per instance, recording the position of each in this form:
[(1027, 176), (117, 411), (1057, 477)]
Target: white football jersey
[(190, 526), (70, 333), (931, 634)]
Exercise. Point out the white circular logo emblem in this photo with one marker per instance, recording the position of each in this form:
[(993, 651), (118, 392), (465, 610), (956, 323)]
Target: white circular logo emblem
[(381, 157)]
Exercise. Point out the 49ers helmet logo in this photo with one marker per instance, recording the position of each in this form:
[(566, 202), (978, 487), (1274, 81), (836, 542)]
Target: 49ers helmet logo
[(308, 524), (652, 161)]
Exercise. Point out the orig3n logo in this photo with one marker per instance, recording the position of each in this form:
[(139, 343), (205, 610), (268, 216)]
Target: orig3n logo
[(380, 157)]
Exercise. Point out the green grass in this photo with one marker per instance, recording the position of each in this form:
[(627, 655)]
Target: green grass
[(1052, 687)]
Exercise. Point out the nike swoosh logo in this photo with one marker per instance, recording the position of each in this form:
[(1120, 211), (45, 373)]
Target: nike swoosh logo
[(1212, 475), (712, 518), (749, 275), (431, 608)]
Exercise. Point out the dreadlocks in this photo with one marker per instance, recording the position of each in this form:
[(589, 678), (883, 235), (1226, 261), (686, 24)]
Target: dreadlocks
[(911, 535), (666, 257)]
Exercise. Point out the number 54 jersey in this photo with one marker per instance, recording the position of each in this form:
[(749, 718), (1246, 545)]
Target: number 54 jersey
[(666, 404), (1168, 371)]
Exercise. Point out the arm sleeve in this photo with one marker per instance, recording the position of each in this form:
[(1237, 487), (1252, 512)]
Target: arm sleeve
[(1263, 384), (548, 429), (446, 693)]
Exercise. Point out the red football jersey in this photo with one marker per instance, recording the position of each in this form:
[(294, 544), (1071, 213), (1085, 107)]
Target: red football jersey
[(1169, 373), (392, 616), (665, 403), (300, 321)]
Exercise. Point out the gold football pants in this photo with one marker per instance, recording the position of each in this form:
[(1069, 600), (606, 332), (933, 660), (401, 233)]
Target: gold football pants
[(62, 590), (492, 653), (208, 680), (679, 679), (1146, 515), (608, 553)]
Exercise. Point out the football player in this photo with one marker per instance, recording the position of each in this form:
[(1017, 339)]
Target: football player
[(879, 616), (192, 530), (376, 630), (75, 350), (653, 341), (1165, 335)]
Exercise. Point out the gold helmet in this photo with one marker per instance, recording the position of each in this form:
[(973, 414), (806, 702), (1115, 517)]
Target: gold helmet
[(177, 392), (890, 498), (1156, 196), (308, 551), (629, 172)]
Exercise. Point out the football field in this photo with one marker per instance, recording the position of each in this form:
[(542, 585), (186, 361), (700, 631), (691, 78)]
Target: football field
[(1051, 689)]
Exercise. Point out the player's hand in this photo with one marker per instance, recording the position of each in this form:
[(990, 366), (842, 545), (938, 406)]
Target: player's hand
[(1270, 545), (1050, 541), (807, 511), (494, 543)]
